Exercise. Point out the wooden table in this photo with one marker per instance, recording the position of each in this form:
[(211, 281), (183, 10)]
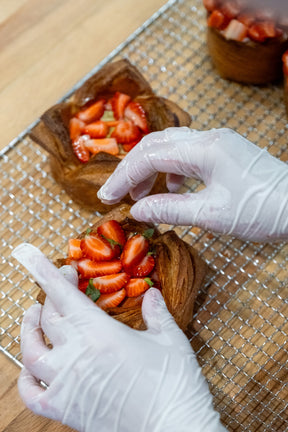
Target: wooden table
[(45, 48)]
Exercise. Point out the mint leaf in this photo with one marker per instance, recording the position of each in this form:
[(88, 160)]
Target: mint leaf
[(88, 231), (92, 292), (148, 233), (149, 281)]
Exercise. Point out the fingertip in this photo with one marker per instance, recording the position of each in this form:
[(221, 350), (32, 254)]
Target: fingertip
[(153, 306)]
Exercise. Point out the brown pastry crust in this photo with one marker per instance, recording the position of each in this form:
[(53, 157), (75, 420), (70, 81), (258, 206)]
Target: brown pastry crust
[(82, 181), (246, 62), (180, 270)]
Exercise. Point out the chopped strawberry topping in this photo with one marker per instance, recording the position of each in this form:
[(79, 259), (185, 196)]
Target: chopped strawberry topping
[(98, 129), (136, 286), (230, 9), (74, 249), (126, 132), (210, 5), (246, 19), (112, 230), (107, 301), (83, 284), (106, 145), (97, 248), (93, 112), (90, 269), (76, 128), (137, 115), (110, 283), (261, 31), (80, 149), (235, 30), (144, 267), (216, 19), (128, 147), (119, 103), (134, 251)]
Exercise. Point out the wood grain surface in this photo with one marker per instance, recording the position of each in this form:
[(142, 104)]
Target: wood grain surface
[(45, 48)]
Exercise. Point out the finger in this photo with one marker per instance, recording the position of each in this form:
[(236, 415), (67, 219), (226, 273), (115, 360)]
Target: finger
[(62, 293), (34, 349), (143, 188), (30, 391), (51, 323), (174, 182), (70, 274)]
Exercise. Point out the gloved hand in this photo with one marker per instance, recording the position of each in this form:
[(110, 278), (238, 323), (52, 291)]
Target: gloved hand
[(101, 374), (246, 192)]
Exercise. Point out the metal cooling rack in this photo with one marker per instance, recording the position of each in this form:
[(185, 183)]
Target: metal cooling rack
[(240, 327)]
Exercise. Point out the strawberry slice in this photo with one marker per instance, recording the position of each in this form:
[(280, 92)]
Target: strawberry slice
[(126, 132), (230, 9), (111, 300), (217, 19), (80, 150), (134, 251), (90, 269), (137, 115), (137, 286), (144, 267), (93, 112), (119, 103), (261, 31), (130, 146), (110, 283), (98, 129), (97, 248), (74, 249), (83, 285), (106, 145), (246, 19), (236, 31), (112, 230), (76, 128)]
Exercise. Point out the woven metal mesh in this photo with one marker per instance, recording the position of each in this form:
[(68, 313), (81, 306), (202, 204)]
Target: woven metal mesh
[(240, 327)]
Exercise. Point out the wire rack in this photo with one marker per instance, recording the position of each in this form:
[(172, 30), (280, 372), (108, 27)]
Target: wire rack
[(240, 329)]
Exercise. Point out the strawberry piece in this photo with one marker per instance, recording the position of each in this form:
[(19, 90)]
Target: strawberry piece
[(76, 128), (90, 269), (111, 300), (285, 63), (261, 31), (83, 284), (98, 129), (119, 103), (216, 19), (80, 150), (134, 251), (110, 283), (210, 5), (112, 230), (235, 31), (126, 132), (97, 248), (128, 147), (246, 19), (144, 267), (136, 286), (74, 249), (93, 112), (106, 145), (137, 115), (230, 9)]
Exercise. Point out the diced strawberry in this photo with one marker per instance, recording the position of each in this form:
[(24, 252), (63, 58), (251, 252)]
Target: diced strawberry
[(126, 132), (83, 284), (235, 31), (144, 267), (210, 5), (93, 112), (112, 230), (136, 286), (128, 147), (261, 31), (76, 127), (285, 63), (107, 301), (90, 269), (119, 103), (97, 248), (80, 150), (106, 145), (74, 249), (110, 283), (230, 9), (134, 251), (111, 123), (216, 19), (98, 129), (137, 115), (246, 19)]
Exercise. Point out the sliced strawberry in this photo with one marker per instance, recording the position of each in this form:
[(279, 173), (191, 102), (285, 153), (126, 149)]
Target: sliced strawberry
[(110, 283), (106, 145), (74, 249), (235, 31), (107, 301), (137, 115), (97, 248), (112, 230), (261, 31), (144, 267), (285, 63), (136, 286), (130, 146), (246, 19), (111, 123), (80, 149), (134, 251), (126, 132), (76, 127), (90, 269), (230, 9), (98, 129), (93, 112), (119, 103), (83, 284), (216, 19), (210, 5)]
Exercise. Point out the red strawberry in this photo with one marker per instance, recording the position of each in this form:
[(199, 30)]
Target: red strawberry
[(128, 147), (106, 145), (74, 249), (126, 132), (76, 127), (80, 149), (137, 286), (230, 9), (216, 19), (261, 31), (144, 267), (111, 300), (93, 112), (112, 230), (83, 284), (235, 31), (110, 283), (119, 103), (134, 251), (210, 5), (97, 248), (246, 19), (137, 115), (91, 269), (98, 129)]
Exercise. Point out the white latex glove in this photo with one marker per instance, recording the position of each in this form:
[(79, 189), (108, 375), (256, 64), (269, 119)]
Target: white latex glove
[(246, 192), (101, 374)]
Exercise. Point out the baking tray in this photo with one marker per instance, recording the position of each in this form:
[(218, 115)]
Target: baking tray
[(240, 329)]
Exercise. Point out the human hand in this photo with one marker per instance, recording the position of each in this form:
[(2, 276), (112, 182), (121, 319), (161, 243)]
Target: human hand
[(246, 192), (101, 374)]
